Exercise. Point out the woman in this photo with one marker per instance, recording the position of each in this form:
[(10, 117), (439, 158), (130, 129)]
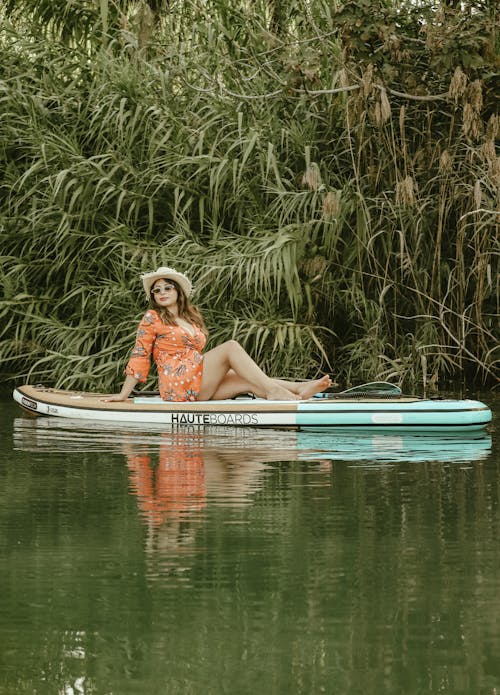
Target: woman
[(172, 330)]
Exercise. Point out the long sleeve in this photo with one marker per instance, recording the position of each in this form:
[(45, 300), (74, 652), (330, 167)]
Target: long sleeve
[(140, 359)]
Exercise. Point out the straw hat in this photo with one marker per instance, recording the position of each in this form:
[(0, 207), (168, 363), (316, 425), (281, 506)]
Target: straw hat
[(148, 280)]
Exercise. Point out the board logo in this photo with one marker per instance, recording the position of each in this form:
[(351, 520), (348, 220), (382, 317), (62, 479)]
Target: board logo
[(27, 403), (214, 419)]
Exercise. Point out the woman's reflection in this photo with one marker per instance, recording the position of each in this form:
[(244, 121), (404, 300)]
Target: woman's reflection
[(169, 481), (174, 475)]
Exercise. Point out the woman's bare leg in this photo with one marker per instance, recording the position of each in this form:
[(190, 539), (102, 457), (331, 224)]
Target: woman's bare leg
[(228, 370), (230, 355), (232, 385)]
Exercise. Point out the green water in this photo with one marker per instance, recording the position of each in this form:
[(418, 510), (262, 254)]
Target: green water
[(228, 561)]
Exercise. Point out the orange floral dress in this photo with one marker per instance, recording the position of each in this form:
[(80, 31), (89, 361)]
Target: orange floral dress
[(177, 355)]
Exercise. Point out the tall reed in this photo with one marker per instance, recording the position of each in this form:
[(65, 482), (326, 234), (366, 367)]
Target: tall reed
[(331, 185)]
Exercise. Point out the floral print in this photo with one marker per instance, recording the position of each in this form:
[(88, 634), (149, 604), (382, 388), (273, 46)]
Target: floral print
[(177, 355)]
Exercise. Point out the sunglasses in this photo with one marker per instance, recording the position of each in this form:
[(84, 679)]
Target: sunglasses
[(163, 288)]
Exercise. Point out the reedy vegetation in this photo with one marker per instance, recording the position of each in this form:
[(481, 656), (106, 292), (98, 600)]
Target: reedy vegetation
[(326, 173)]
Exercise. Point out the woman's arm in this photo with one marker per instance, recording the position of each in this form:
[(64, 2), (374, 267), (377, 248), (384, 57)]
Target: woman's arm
[(139, 363)]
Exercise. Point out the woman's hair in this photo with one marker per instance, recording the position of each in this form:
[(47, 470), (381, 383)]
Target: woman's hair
[(187, 311)]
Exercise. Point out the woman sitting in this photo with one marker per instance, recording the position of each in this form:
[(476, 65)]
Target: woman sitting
[(173, 331)]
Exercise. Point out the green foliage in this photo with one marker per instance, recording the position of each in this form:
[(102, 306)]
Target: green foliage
[(326, 174)]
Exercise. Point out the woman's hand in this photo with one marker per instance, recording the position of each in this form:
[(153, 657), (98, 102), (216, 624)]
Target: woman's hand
[(115, 398), (128, 385)]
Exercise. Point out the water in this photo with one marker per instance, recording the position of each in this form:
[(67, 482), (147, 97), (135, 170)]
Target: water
[(226, 561)]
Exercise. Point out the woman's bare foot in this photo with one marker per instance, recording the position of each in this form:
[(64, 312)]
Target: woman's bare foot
[(279, 393), (315, 386)]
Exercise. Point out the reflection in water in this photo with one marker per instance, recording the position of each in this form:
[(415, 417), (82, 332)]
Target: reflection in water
[(247, 445), (171, 473), (393, 448), (147, 560), (174, 472), (170, 487)]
